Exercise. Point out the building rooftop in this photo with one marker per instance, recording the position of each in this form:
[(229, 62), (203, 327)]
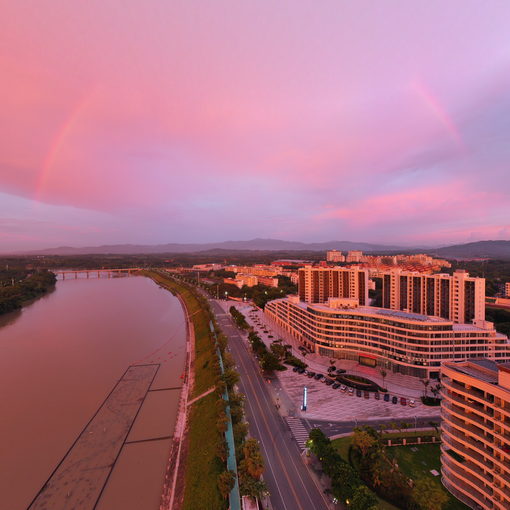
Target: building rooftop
[(483, 369), (373, 310)]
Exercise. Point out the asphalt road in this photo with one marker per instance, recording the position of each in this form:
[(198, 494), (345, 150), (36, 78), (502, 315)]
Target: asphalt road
[(331, 428), (290, 484)]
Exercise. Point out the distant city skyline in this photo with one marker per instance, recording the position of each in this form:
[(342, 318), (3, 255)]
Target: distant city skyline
[(154, 122)]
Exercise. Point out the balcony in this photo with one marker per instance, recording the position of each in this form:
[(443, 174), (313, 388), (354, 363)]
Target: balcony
[(466, 427), (455, 386), (450, 441), (450, 481), (462, 414), (477, 408), (481, 480)]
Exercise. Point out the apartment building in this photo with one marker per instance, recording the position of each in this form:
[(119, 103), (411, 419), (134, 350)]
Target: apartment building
[(403, 342), (354, 256), (475, 450), (458, 297), (507, 289), (318, 284), (334, 256)]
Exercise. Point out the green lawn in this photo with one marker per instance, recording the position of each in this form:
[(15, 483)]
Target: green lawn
[(202, 464), (416, 461)]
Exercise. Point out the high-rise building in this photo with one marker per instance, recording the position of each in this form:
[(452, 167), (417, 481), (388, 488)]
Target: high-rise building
[(458, 297), (406, 343), (318, 284), (334, 256), (475, 450), (354, 256)]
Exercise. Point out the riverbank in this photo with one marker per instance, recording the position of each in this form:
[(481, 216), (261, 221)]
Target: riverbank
[(194, 483), (14, 297)]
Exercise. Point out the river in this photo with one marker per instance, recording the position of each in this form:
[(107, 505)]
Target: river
[(59, 359)]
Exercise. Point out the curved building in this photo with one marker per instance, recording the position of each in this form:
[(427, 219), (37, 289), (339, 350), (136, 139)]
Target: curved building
[(475, 432), (403, 342)]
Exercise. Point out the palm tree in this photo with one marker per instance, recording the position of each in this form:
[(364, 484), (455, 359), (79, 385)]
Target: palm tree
[(383, 374)]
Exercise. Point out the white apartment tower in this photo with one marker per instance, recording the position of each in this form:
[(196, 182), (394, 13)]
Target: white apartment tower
[(334, 256), (458, 297), (318, 284)]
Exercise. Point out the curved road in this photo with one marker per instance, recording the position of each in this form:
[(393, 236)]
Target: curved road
[(290, 484)]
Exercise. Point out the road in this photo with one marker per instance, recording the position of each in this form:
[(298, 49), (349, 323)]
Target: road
[(290, 484), (331, 428)]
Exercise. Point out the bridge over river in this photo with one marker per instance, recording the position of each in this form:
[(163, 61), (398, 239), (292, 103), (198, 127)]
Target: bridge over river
[(94, 273)]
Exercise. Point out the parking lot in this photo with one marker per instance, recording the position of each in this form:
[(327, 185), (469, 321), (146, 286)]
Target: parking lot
[(326, 403)]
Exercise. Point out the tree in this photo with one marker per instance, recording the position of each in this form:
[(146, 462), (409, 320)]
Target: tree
[(429, 495), (363, 499), (253, 458), (230, 377), (383, 374), (344, 481), (269, 362), (249, 486), (362, 440), (226, 482)]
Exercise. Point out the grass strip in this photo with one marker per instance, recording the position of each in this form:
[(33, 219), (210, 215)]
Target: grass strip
[(202, 464)]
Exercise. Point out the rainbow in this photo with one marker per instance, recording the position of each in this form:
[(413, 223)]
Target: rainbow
[(59, 141), (439, 112)]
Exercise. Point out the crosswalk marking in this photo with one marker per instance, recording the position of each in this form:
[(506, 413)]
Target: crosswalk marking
[(297, 430)]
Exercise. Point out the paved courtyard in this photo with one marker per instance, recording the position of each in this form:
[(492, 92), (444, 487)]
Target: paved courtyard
[(325, 403)]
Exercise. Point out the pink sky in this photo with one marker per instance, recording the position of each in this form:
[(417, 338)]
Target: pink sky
[(153, 122)]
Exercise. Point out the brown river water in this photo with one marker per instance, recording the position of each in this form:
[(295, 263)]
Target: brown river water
[(59, 359)]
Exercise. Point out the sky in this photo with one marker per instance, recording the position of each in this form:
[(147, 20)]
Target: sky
[(195, 121)]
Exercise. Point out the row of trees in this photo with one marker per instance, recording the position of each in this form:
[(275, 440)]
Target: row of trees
[(247, 451), (239, 318)]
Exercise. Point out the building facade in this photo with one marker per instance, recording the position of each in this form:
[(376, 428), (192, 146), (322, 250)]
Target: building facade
[(458, 297), (507, 289), (354, 256), (334, 256), (475, 430), (318, 284), (402, 342)]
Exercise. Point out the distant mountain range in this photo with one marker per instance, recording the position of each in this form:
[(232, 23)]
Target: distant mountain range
[(480, 249), (252, 245)]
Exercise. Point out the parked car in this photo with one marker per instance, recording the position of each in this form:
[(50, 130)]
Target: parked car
[(318, 377), (337, 385), (358, 393), (412, 403), (331, 369), (295, 369), (386, 397), (350, 392), (343, 388), (394, 400), (403, 401), (340, 371), (301, 370), (377, 396), (366, 394), (329, 382)]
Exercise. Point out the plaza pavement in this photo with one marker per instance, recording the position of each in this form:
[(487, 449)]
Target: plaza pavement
[(325, 403)]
